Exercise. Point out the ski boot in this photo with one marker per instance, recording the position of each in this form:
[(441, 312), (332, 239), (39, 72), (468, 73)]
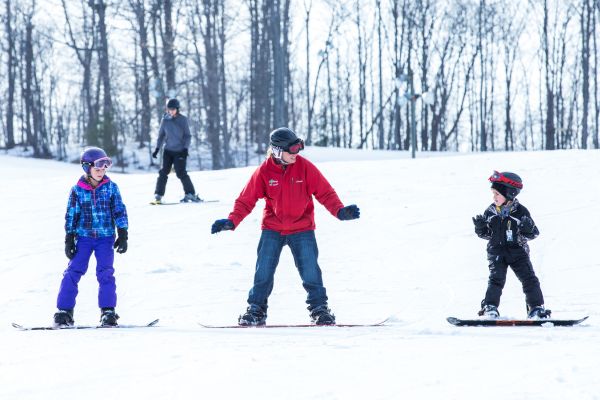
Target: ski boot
[(254, 316), (191, 198), (63, 318), (108, 317), (538, 312), (489, 311), (321, 315)]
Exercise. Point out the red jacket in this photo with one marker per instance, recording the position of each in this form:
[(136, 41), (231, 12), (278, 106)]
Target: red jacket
[(288, 194)]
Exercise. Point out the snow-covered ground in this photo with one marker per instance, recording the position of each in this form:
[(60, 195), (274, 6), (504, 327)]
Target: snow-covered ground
[(412, 255)]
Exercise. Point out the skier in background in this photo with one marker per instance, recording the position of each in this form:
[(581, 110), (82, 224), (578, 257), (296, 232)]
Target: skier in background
[(94, 209), (287, 182), (507, 225), (174, 133)]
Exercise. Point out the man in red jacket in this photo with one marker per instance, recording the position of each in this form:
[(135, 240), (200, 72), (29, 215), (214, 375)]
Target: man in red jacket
[(288, 183)]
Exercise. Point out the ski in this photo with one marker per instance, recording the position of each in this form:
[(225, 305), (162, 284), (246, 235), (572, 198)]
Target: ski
[(156, 203), (57, 328), (381, 323), (514, 322)]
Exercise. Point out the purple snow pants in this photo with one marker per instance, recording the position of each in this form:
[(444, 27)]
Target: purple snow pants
[(107, 292)]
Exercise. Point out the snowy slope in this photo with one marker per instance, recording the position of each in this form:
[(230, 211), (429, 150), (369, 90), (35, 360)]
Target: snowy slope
[(413, 255)]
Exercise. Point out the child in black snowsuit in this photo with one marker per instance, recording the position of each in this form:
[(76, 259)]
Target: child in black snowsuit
[(507, 225)]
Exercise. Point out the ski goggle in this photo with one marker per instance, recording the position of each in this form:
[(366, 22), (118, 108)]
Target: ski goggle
[(101, 163), (499, 177), (296, 147)]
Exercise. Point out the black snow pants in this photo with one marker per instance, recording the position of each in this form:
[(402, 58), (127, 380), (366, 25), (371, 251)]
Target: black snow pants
[(523, 269), (177, 159)]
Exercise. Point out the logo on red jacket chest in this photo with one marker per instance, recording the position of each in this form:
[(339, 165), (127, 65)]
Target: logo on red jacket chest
[(273, 182)]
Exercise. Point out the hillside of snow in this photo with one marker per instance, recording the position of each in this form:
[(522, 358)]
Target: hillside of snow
[(412, 255)]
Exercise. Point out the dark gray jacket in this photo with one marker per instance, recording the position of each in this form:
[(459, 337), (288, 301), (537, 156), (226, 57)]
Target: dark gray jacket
[(174, 133)]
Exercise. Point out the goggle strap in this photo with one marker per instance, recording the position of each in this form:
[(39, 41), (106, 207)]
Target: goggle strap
[(498, 177), (276, 151)]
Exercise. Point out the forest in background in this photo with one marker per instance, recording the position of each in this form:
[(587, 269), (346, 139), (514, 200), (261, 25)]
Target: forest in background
[(420, 75)]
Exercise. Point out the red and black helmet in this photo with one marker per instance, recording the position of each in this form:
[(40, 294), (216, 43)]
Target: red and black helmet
[(508, 184)]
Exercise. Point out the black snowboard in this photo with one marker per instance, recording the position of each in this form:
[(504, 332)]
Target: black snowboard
[(514, 322)]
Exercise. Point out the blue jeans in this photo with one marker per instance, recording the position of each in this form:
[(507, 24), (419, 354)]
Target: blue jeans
[(105, 255), (305, 252)]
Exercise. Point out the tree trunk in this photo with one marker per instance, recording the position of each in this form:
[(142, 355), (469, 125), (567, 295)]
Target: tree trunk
[(549, 126), (596, 72), (380, 73), (144, 84), (109, 137), (213, 112), (586, 31), (227, 161), (308, 98), (10, 67), (27, 84), (279, 105), (362, 65), (168, 40)]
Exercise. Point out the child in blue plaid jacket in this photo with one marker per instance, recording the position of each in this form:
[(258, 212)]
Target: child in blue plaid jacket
[(94, 209)]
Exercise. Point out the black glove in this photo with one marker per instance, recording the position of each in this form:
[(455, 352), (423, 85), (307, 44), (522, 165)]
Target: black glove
[(155, 153), (348, 213), (185, 152), (527, 226), (121, 242), (222, 225), (481, 225), (70, 248)]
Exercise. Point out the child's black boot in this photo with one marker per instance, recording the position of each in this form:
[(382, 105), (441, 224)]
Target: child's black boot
[(538, 312), (489, 311)]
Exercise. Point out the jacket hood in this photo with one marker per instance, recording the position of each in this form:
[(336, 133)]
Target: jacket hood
[(83, 183)]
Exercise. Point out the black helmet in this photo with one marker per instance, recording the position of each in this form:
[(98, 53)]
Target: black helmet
[(284, 138), (508, 184), (173, 104)]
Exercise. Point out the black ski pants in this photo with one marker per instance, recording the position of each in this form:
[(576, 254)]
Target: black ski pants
[(179, 160), (523, 269)]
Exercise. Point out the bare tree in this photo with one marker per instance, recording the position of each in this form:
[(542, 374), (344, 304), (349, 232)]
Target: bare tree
[(586, 12), (381, 136), (399, 24), (211, 85), (84, 52), (596, 72), (550, 127), (426, 21), (224, 124), (138, 8), (279, 105), (10, 68), (307, 11), (107, 123), (511, 29), (168, 40), (362, 79)]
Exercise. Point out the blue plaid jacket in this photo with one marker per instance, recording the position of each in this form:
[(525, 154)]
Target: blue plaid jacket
[(94, 212)]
